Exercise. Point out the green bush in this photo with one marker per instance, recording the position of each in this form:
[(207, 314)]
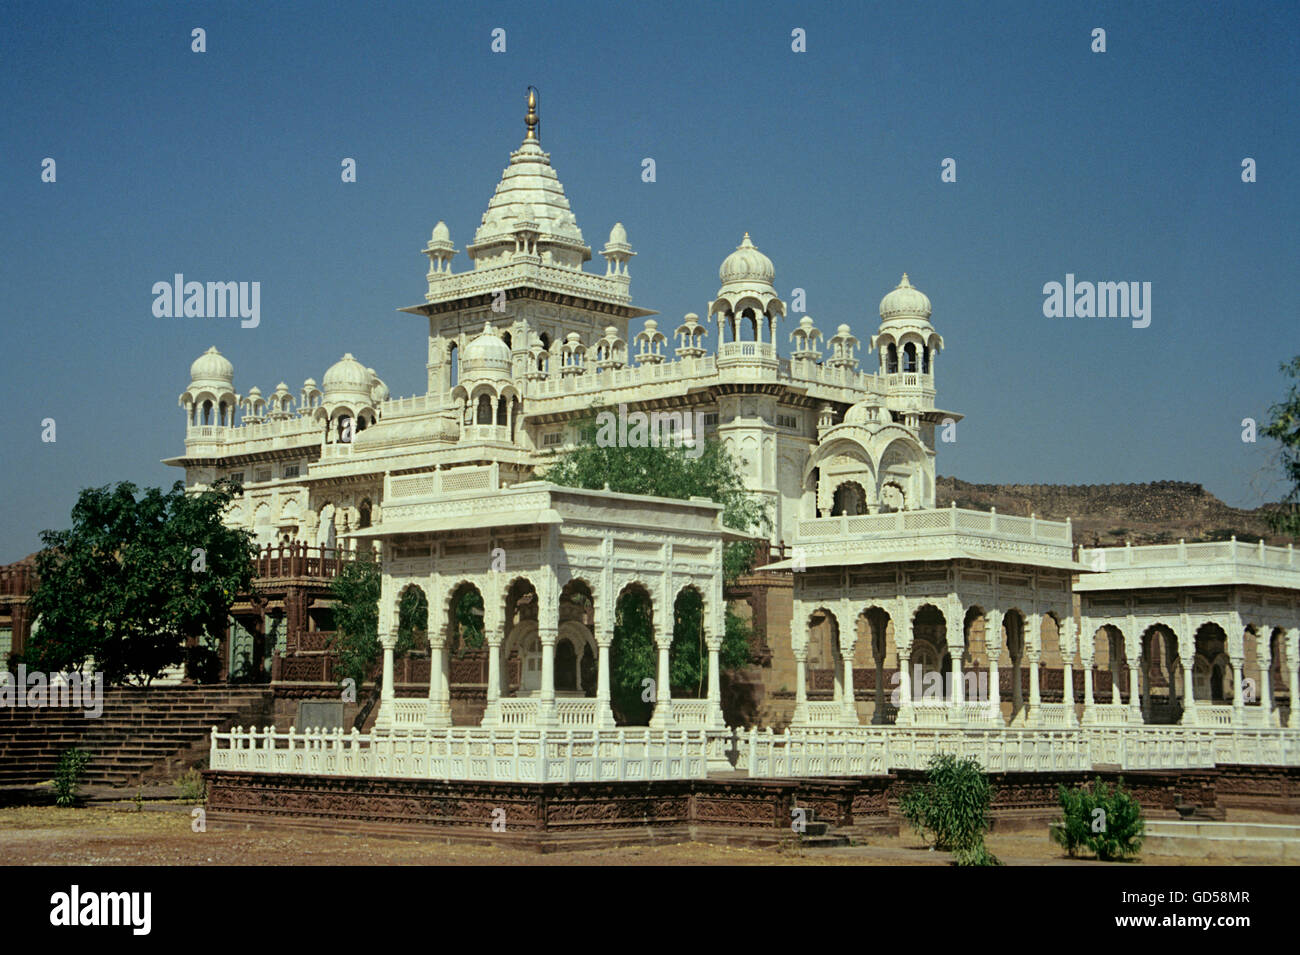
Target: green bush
[(951, 809), (72, 765), (193, 789), (1114, 832)]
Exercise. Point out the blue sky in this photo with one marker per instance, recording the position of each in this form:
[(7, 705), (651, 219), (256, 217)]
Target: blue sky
[(1115, 166)]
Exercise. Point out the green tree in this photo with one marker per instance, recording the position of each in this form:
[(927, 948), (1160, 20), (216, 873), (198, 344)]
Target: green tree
[(669, 472), (1284, 427), (135, 578), (355, 642), (952, 808), (356, 592)]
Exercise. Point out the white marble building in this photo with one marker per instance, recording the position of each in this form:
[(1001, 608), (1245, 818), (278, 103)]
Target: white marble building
[(523, 341)]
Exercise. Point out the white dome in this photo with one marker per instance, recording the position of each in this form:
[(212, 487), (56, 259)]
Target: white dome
[(747, 264), (905, 302), (378, 390), (441, 233), (864, 412), (347, 375), (618, 235), (212, 368), (487, 353)]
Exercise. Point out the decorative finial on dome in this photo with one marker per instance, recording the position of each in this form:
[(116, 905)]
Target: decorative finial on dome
[(905, 283), (531, 120), (745, 241)]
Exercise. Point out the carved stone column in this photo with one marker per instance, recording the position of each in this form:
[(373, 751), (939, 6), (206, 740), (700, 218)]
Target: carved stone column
[(1238, 703), (1065, 642), (993, 647), (800, 717), (906, 715), (1293, 676), (849, 700), (388, 692), (492, 712), (604, 713), (1266, 675), (438, 711), (1034, 651), (1087, 641), (663, 714), (1186, 656), (547, 711), (714, 719)]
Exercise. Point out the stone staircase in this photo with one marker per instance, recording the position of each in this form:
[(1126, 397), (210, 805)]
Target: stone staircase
[(143, 735), (817, 833), (1243, 842)]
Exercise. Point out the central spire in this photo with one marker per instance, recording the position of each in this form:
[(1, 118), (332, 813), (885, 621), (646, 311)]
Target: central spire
[(531, 119)]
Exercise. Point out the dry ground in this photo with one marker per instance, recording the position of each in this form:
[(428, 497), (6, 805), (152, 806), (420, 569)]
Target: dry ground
[(161, 835)]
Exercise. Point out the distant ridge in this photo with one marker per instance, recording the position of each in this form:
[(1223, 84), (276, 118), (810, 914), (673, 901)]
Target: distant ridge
[(1159, 512)]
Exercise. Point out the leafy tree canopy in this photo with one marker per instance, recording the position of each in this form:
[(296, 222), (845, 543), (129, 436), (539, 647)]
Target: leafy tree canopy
[(1284, 427), (673, 473), (134, 577)]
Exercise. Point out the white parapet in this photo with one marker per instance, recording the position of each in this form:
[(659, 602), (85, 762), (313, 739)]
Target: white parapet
[(468, 753), (873, 750)]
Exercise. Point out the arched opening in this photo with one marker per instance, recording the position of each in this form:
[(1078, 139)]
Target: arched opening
[(566, 666), (344, 429), (505, 337), (1162, 692), (1013, 646), (909, 357), (892, 497), (633, 657), (925, 359), (484, 413), (874, 643), (891, 359), (502, 411), (929, 653), (521, 650), (577, 626), (1211, 669), (1110, 666), (207, 412), (825, 664), (363, 511), (453, 364), (748, 326), (412, 620), (850, 499), (464, 627), (688, 659)]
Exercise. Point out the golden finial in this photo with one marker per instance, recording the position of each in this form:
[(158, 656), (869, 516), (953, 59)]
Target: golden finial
[(531, 119)]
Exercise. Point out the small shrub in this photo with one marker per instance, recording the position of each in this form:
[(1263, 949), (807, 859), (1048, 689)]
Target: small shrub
[(192, 787), (67, 777), (1116, 832), (951, 809)]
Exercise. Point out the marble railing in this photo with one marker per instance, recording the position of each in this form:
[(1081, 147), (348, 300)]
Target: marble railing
[(692, 713), (829, 751), (1108, 714), (464, 753)]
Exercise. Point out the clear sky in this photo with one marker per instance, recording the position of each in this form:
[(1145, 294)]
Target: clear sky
[(225, 166)]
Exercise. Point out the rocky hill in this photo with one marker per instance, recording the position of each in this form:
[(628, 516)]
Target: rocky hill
[(1157, 513)]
